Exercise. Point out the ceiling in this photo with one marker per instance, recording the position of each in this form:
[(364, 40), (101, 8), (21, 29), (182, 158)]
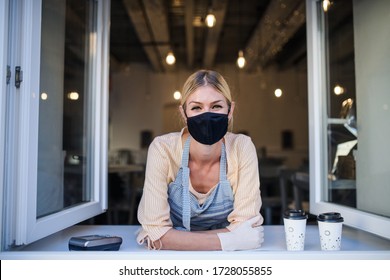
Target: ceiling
[(269, 32)]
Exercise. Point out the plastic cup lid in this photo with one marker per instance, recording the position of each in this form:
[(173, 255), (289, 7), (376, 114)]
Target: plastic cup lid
[(331, 217), (295, 214)]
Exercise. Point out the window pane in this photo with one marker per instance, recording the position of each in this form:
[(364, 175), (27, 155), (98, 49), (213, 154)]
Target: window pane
[(342, 134), (64, 109), (357, 108)]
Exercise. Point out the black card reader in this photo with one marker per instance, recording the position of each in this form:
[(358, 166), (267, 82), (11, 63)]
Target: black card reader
[(95, 243)]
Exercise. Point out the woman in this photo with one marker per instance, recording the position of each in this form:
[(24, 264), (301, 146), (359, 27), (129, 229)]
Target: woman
[(202, 184)]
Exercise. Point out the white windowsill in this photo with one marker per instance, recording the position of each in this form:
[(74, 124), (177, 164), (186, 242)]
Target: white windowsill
[(355, 244)]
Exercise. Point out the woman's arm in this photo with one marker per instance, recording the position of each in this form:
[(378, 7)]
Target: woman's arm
[(190, 241), (153, 209), (246, 236), (245, 181)]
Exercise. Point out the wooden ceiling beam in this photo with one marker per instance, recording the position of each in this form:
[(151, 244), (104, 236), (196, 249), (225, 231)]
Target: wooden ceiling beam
[(278, 25), (189, 17), (219, 8), (150, 22)]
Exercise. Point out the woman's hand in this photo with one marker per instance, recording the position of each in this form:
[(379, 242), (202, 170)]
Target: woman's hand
[(244, 237)]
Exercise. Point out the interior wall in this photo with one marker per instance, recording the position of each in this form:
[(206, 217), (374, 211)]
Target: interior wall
[(143, 100)]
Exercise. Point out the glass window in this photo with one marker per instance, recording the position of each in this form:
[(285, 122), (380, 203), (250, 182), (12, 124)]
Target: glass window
[(348, 54), (56, 121), (341, 103), (65, 104)]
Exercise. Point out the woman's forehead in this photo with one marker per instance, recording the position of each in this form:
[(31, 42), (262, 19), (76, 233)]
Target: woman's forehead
[(205, 94)]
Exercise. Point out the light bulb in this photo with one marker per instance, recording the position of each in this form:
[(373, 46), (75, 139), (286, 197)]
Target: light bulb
[(177, 95), (241, 59), (325, 5), (278, 92), (73, 95), (210, 20), (338, 90), (170, 59)]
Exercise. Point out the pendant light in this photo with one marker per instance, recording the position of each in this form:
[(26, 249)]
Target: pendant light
[(326, 4), (177, 95), (241, 59), (210, 19), (170, 58)]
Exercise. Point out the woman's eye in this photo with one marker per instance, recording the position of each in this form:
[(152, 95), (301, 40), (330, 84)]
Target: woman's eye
[(195, 108), (217, 107)]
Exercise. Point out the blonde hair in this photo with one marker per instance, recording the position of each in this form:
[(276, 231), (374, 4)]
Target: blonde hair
[(206, 78)]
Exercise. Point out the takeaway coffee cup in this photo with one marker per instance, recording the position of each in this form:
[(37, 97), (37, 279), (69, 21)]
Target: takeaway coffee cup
[(295, 228), (330, 229)]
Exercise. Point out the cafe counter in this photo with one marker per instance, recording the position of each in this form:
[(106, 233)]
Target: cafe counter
[(355, 245)]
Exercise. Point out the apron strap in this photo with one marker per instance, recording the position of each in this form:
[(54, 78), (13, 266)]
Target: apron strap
[(186, 215), (222, 164)]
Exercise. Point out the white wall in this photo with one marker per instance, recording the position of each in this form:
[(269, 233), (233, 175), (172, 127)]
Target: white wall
[(139, 97)]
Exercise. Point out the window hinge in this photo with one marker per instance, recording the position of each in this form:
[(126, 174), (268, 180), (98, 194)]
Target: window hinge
[(18, 76), (8, 74)]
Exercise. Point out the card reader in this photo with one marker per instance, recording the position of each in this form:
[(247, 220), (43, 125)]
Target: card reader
[(95, 242)]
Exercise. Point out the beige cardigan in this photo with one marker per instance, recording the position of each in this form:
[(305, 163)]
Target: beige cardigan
[(163, 163)]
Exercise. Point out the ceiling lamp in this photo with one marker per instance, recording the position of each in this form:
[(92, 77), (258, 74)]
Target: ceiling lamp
[(278, 92), (210, 19), (170, 59), (177, 95), (73, 95), (338, 89), (241, 59), (326, 4)]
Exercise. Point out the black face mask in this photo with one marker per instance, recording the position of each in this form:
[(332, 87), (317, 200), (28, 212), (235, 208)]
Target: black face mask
[(208, 128)]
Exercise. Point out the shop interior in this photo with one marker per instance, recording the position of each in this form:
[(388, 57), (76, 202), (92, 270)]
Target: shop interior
[(270, 89)]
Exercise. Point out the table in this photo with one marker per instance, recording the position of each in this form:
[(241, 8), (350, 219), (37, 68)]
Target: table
[(125, 168), (131, 190), (356, 244)]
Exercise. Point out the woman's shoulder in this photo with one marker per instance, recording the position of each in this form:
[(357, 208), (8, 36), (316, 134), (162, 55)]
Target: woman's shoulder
[(239, 147), (169, 142), (168, 137), (237, 139)]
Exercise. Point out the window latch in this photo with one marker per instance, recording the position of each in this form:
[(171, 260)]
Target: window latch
[(18, 76)]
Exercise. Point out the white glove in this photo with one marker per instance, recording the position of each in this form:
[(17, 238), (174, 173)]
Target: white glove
[(244, 237)]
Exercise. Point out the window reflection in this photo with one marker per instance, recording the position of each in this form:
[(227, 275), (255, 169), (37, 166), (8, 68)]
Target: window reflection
[(358, 165), (64, 113), (342, 133)]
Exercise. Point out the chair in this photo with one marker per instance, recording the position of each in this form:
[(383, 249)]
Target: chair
[(125, 187), (270, 193), (301, 183), (285, 185)]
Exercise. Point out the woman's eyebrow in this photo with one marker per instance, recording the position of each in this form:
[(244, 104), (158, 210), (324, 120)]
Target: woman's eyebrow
[(198, 102)]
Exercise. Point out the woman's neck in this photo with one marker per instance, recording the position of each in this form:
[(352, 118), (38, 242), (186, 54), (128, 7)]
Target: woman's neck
[(204, 154)]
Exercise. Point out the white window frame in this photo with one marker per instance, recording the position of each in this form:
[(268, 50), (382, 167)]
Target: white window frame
[(22, 210), (317, 134), (3, 90)]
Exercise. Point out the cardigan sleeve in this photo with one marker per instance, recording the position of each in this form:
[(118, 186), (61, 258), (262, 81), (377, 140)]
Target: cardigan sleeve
[(245, 181), (153, 209)]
